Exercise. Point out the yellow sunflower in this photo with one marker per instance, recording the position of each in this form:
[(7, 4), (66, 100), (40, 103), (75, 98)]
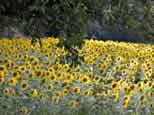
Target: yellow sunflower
[(73, 103), (86, 92), (50, 88), (12, 82), (6, 91), (34, 93), (76, 90), (65, 92), (24, 86), (85, 80)]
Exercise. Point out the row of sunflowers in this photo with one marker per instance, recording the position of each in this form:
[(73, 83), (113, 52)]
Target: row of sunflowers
[(114, 78)]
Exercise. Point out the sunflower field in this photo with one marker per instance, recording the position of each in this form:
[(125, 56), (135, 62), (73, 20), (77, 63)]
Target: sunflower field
[(115, 78)]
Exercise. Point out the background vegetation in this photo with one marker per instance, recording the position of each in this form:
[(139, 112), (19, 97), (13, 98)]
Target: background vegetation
[(54, 17)]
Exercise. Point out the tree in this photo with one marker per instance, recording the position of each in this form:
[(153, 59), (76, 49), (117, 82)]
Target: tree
[(72, 16)]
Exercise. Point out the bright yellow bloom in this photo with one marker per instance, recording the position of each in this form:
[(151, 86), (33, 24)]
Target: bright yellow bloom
[(12, 81), (53, 77), (124, 72), (50, 88), (24, 86), (34, 93), (22, 68), (115, 85), (51, 70), (65, 92), (6, 91), (73, 103), (119, 59), (86, 93), (66, 67), (76, 90), (85, 80), (15, 74)]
